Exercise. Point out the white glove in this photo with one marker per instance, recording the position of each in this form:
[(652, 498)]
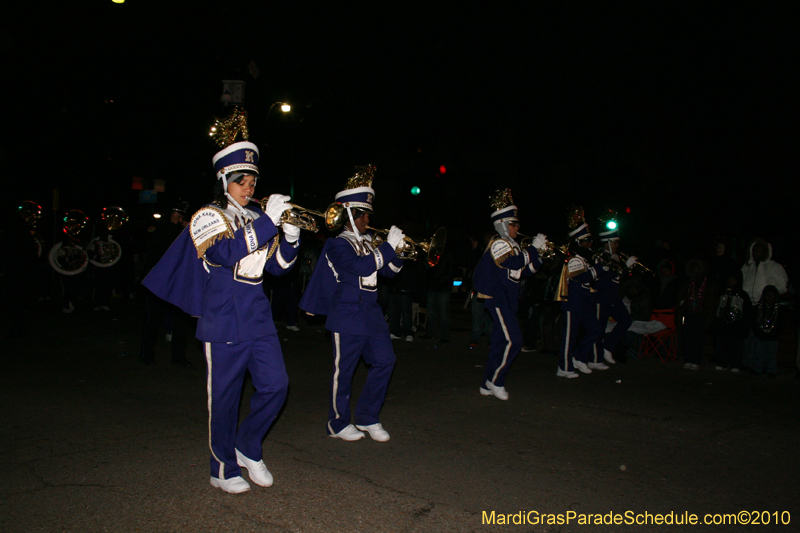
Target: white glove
[(276, 205), (539, 240), (292, 233), (631, 261), (395, 236)]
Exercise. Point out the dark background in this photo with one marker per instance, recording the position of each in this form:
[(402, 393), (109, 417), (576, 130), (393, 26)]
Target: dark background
[(686, 114)]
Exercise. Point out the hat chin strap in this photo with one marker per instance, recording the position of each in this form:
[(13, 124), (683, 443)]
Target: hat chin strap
[(353, 224), (501, 227), (241, 210)]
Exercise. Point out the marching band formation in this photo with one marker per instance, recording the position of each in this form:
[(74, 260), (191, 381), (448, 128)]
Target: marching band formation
[(213, 270)]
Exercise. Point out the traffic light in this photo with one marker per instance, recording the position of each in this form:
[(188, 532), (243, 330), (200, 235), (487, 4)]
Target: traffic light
[(609, 219), (415, 190)]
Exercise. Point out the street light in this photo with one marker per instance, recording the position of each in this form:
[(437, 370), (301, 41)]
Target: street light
[(284, 107)]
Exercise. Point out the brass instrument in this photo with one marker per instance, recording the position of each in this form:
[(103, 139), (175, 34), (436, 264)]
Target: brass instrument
[(69, 257), (31, 213), (113, 217), (620, 267), (548, 251), (637, 265), (303, 218), (104, 252), (410, 249), (74, 222)]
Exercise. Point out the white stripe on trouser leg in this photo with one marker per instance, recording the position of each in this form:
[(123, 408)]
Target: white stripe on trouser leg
[(508, 344), (208, 390), (594, 346), (335, 389), (565, 355)]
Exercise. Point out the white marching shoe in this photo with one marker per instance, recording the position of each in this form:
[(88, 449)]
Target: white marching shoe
[(234, 485), (581, 366), (598, 366), (349, 433), (608, 357), (491, 389), (375, 431), (257, 470), (566, 374)]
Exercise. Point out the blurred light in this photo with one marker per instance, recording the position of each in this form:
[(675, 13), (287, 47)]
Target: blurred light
[(457, 283), (415, 190), (611, 224), (442, 169), (628, 210), (156, 215), (286, 107), (118, 1)]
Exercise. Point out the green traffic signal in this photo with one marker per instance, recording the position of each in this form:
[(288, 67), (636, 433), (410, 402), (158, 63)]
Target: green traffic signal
[(415, 190)]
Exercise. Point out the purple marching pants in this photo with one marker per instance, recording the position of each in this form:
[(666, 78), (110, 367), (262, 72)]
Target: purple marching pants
[(226, 366)]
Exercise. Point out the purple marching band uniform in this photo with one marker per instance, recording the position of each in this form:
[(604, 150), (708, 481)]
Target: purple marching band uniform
[(343, 286), (578, 310), (496, 279), (213, 271), (609, 304)]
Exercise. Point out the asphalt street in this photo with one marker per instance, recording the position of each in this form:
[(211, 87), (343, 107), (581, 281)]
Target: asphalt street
[(92, 440)]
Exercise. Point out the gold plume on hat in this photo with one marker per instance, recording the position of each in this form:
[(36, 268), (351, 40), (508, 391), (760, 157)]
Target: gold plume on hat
[(575, 216), (225, 131), (608, 215), (362, 178), (502, 198)]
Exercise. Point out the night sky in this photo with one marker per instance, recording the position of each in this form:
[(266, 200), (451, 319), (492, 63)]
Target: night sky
[(686, 115)]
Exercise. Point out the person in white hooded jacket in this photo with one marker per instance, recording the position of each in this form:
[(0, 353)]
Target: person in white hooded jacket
[(760, 270)]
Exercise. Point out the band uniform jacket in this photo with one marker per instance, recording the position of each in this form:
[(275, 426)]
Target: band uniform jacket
[(500, 269), (214, 271), (344, 285)]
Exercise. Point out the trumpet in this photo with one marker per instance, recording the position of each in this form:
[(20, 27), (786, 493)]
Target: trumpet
[(547, 251), (303, 218), (620, 267), (410, 249), (637, 265)]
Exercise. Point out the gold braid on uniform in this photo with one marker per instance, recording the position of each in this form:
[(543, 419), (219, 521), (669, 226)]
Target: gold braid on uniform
[(274, 246)]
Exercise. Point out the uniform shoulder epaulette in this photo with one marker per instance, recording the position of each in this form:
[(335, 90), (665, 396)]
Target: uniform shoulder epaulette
[(209, 225), (501, 249), (577, 265)]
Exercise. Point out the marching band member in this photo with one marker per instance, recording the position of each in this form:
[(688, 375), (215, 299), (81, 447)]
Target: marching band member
[(344, 287), (609, 301), (578, 309), (214, 271), (496, 279), (69, 259)]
